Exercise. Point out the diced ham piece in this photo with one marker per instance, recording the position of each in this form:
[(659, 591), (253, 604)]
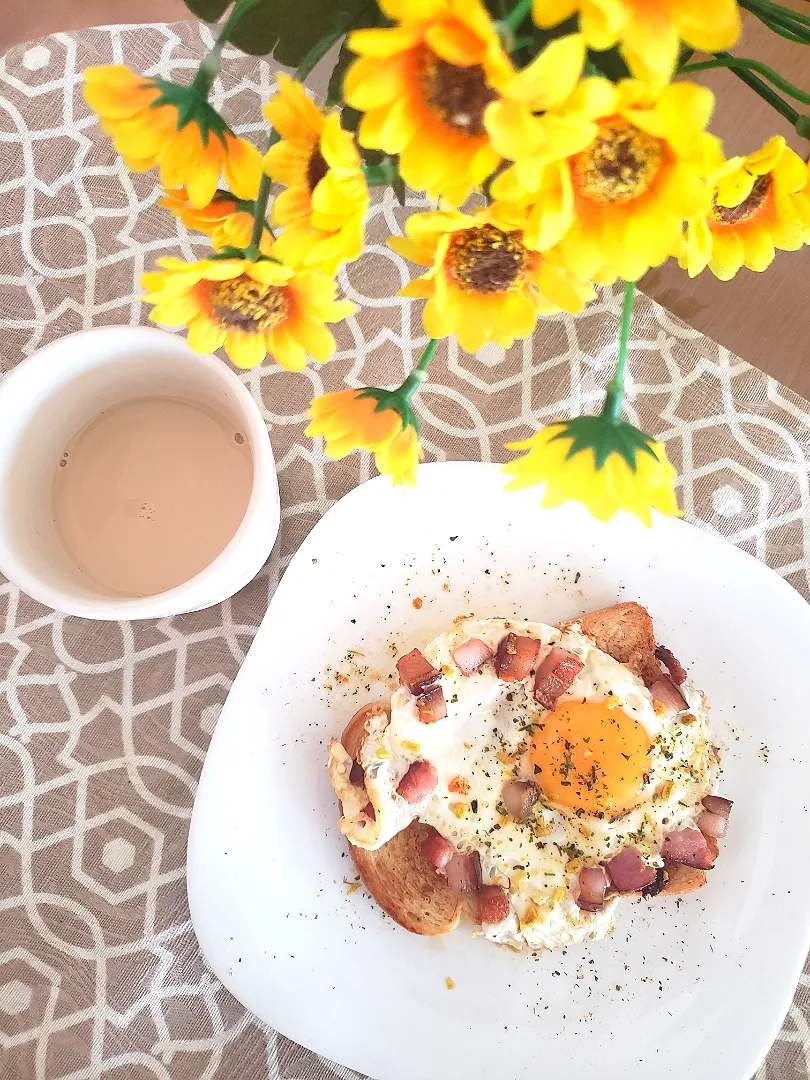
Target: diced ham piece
[(672, 664), (592, 885), (464, 872), (357, 775), (688, 847), (437, 850), (369, 811), (471, 654), (666, 693), (714, 819), (715, 804), (493, 904), (420, 779), (712, 824), (555, 675), (628, 872), (417, 673), (518, 797), (515, 657), (432, 706)]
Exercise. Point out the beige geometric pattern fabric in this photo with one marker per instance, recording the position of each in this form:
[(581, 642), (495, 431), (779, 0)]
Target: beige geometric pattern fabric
[(104, 727)]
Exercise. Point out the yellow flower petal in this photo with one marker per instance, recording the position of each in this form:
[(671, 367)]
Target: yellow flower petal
[(551, 77), (245, 350), (205, 335), (243, 167)]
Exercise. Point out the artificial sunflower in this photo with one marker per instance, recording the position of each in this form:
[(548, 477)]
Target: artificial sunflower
[(759, 204), (649, 32), (155, 122), (324, 204), (625, 470), (369, 419), (250, 308), (226, 219), (423, 85), (617, 207), (484, 283)]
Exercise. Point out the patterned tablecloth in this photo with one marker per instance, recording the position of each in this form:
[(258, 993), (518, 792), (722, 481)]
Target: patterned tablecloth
[(104, 727)]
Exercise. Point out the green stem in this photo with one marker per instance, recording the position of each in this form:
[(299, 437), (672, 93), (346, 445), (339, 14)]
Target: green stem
[(726, 60), (784, 27), (419, 373), (260, 207), (776, 11), (518, 13), (212, 62), (779, 20), (427, 355), (768, 94), (611, 410)]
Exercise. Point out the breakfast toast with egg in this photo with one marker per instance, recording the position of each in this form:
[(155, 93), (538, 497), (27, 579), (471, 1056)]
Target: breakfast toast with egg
[(398, 875)]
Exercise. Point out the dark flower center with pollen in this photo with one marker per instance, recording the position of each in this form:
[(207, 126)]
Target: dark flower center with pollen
[(245, 304), (619, 165), (736, 215), (458, 95), (487, 260), (317, 169)]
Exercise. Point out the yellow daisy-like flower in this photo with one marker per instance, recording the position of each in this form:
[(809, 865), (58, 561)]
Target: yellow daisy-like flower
[(649, 32), (760, 204), (545, 112), (617, 207), (324, 205), (423, 85), (364, 420), (484, 283), (557, 458), (250, 308), (226, 219), (143, 118)]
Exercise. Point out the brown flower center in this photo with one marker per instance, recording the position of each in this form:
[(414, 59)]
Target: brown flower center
[(748, 208), (317, 169), (244, 304), (487, 260), (619, 165), (457, 95)]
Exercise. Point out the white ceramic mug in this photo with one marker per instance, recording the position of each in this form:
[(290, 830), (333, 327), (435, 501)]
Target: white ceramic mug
[(51, 396)]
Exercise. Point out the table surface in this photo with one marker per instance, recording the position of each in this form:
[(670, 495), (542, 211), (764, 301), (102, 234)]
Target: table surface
[(104, 727)]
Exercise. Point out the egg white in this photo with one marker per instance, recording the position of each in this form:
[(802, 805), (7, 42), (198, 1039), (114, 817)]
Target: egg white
[(483, 741)]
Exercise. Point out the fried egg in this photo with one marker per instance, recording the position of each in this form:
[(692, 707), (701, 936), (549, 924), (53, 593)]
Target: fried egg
[(611, 771)]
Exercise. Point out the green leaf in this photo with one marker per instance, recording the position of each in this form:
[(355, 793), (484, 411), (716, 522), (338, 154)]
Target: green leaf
[(398, 187), (290, 29), (610, 64), (334, 92), (208, 10), (685, 55)]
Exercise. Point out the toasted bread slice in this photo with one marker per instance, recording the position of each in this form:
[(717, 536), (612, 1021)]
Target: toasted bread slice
[(405, 885), (401, 880), (625, 632)]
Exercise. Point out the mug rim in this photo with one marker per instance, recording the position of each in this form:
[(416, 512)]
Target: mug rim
[(207, 587)]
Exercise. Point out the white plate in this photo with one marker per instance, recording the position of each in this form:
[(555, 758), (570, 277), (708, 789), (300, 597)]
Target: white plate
[(695, 987)]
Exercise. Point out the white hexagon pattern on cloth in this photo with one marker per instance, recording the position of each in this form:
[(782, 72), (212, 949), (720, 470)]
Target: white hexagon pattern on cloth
[(104, 727)]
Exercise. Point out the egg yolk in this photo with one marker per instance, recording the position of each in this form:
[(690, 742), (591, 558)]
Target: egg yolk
[(590, 755)]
